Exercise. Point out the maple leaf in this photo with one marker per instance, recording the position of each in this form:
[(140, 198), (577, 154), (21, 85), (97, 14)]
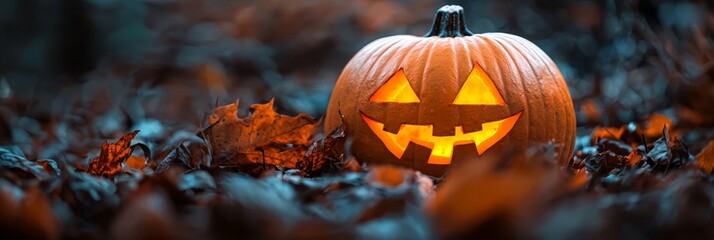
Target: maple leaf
[(263, 137), (109, 162)]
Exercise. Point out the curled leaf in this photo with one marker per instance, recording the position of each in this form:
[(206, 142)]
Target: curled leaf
[(180, 156), (20, 166), (667, 153)]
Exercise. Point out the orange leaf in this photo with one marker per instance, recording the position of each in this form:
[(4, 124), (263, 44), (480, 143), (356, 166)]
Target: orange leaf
[(263, 136), (109, 162), (606, 132), (654, 126)]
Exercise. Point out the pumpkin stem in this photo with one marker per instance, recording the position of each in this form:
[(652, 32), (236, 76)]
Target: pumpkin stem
[(449, 22)]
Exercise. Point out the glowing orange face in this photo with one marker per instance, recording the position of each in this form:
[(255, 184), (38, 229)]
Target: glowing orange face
[(478, 89)]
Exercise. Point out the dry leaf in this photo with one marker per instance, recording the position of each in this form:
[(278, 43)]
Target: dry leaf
[(263, 136), (325, 155), (109, 162), (654, 126), (667, 153), (180, 156), (705, 159), (20, 166), (607, 132)]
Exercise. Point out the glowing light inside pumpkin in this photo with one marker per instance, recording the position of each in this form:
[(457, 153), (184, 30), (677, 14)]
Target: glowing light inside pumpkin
[(479, 89), (396, 89), (442, 147)]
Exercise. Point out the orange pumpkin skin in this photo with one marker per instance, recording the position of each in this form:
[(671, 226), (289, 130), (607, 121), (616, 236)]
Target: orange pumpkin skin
[(437, 67)]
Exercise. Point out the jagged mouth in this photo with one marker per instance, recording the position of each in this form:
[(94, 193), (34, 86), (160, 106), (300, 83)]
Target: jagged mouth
[(442, 147)]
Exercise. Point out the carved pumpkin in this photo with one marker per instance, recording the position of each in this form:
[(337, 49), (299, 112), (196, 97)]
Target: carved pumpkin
[(450, 96)]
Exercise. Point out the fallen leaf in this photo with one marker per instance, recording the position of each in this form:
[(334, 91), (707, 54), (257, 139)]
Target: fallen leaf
[(634, 158), (655, 124), (109, 162), (20, 166), (180, 156), (262, 137), (609, 133), (667, 153), (615, 146), (603, 163), (325, 155), (705, 159), (88, 195)]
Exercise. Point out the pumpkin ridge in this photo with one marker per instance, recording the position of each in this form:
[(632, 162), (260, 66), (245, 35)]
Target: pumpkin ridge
[(423, 74), (544, 100), (347, 78), (559, 81), (421, 90), (513, 64), (565, 151), (401, 59), (467, 54), (561, 85), (373, 74), (401, 64), (383, 50), (374, 60)]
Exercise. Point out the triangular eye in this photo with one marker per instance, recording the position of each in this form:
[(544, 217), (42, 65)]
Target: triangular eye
[(396, 89), (479, 90)]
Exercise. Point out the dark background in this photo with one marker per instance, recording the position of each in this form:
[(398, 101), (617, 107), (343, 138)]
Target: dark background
[(171, 60), (75, 74)]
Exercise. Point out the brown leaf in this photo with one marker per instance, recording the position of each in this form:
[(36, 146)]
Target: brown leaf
[(325, 155), (109, 162), (615, 146), (180, 156), (667, 153), (705, 159), (263, 136)]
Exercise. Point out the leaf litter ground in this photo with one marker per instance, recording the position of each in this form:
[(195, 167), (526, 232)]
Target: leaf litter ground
[(266, 175)]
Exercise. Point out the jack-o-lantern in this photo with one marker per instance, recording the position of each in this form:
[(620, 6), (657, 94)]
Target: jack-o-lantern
[(449, 96)]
